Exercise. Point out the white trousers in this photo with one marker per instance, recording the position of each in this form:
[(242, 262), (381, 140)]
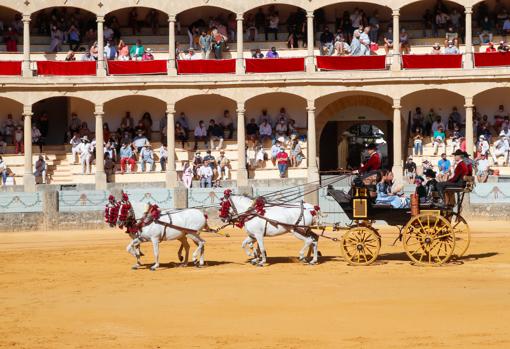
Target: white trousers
[(85, 163)]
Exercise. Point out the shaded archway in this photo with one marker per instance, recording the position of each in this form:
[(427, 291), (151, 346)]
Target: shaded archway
[(11, 29), (345, 113), (294, 105), (488, 104)]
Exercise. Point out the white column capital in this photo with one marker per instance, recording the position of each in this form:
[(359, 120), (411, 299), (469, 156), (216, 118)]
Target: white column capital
[(396, 104), (170, 108), (310, 104), (240, 111), (26, 19), (309, 14), (395, 12), (468, 102), (98, 110), (100, 19), (172, 18), (239, 17), (27, 110), (468, 10)]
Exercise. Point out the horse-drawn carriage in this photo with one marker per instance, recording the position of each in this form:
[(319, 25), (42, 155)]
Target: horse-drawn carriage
[(431, 234)]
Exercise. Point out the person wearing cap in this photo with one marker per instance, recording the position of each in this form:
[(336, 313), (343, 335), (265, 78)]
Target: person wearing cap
[(410, 169), (431, 184), (223, 166), (192, 56), (148, 56), (483, 146), (85, 151), (457, 179), (501, 148), (374, 161), (444, 165), (482, 168), (282, 160), (126, 156), (147, 157)]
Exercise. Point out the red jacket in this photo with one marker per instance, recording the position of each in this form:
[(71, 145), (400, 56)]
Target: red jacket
[(373, 163), (461, 170)]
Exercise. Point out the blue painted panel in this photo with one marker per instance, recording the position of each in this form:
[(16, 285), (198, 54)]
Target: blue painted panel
[(204, 197), (294, 193), (82, 201), (164, 198), (490, 193), (20, 202)]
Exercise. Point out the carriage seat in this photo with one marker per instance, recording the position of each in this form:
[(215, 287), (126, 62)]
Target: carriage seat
[(382, 206)]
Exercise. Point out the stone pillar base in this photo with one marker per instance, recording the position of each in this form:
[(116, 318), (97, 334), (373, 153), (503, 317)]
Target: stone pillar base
[(26, 71), (240, 67), (171, 179), (468, 62), (310, 65), (101, 71), (171, 69), (180, 198), (29, 182), (101, 182), (242, 178), (395, 63), (313, 174)]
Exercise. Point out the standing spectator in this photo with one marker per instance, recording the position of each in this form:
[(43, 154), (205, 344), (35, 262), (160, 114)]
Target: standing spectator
[(326, 41), (454, 118), (282, 159), (187, 175), (227, 123), (40, 170), (444, 166), (90, 37), (75, 146), (275, 149), (3, 171), (73, 38), (137, 51), (252, 130), (152, 21), (374, 27), (506, 27), (272, 53), (183, 121), (56, 39), (3, 144), (417, 120), (223, 166), (205, 173), (163, 157), (410, 169), (148, 56), (365, 42), (405, 44), (218, 41), (486, 33), (264, 116), (128, 121), (147, 157), (133, 21), (85, 150), (272, 27), (109, 167), (200, 134), (126, 156), (110, 51), (205, 43), (260, 20), (123, 51), (355, 48), (18, 140), (11, 40), (388, 40), (265, 131), (295, 153), (215, 133)]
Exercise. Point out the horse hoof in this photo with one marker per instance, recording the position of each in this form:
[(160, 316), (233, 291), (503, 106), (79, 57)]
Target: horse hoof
[(313, 263), (261, 264), (182, 265), (319, 253), (135, 267), (141, 254), (254, 261), (181, 258), (153, 268)]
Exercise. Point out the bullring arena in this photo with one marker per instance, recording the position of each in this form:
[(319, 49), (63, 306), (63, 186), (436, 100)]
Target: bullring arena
[(254, 174)]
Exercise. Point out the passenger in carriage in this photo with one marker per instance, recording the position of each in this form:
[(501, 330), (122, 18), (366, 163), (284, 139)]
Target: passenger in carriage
[(431, 185), (386, 194)]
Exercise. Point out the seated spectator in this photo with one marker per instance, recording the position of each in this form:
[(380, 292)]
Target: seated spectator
[(147, 157), (9, 126), (505, 131), (18, 140), (264, 116), (109, 167), (183, 121), (192, 56), (501, 148), (180, 134), (272, 53), (252, 130), (326, 42), (75, 146), (215, 133), (436, 49), (126, 156), (3, 144), (140, 127), (223, 166), (272, 26), (439, 139), (410, 169), (503, 47), (405, 44), (94, 51), (388, 40), (482, 146), (275, 149), (265, 131), (87, 57), (482, 168), (148, 56), (187, 175), (123, 51), (485, 132), (110, 149), (451, 49), (292, 128), (437, 124), (260, 156), (506, 27), (137, 51), (486, 33), (457, 136), (139, 141), (110, 51), (444, 168), (257, 54), (70, 57), (73, 38), (227, 123), (163, 157), (356, 49), (211, 160), (40, 170), (341, 47), (3, 171), (281, 130), (205, 174), (490, 48), (200, 134), (451, 36), (296, 155), (282, 160)]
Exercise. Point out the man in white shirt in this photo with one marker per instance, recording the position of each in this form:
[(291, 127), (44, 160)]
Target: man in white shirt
[(264, 116), (483, 146), (274, 21), (505, 131), (501, 148), (75, 146), (265, 131), (163, 157), (200, 134), (365, 42), (205, 173), (85, 151), (192, 56)]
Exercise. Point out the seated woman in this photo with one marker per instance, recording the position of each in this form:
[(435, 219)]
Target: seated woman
[(385, 194)]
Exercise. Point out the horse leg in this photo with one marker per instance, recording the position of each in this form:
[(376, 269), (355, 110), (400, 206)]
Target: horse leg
[(134, 249), (248, 246), (315, 245), (305, 246), (263, 256), (199, 252), (155, 246), (185, 246)]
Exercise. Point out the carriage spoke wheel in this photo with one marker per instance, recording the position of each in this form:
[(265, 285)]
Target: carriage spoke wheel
[(462, 235), (429, 239), (361, 245)]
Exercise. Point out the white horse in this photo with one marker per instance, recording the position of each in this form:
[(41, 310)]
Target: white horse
[(174, 225), (277, 220)]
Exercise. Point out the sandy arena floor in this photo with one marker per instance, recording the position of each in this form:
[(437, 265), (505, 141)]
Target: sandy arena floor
[(72, 289)]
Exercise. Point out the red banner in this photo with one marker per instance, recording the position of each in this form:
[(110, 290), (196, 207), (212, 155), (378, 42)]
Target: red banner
[(351, 62), (492, 59), (206, 66), (66, 68), (10, 68), (275, 65), (431, 61), (137, 67)]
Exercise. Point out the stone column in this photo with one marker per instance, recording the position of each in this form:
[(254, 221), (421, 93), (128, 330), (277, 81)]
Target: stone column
[(100, 174), (469, 125), (313, 171), (171, 173), (468, 60), (240, 45), (27, 72), (310, 42), (172, 70), (242, 173), (101, 71), (395, 61), (28, 175), (397, 139)]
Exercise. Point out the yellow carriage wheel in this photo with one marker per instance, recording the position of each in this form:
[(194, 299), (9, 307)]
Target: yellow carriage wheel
[(361, 245), (462, 235), (429, 239)]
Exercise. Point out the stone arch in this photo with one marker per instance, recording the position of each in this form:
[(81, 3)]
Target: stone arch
[(492, 90), (80, 4), (404, 3), (156, 5), (262, 3), (386, 4), (274, 92), (205, 107)]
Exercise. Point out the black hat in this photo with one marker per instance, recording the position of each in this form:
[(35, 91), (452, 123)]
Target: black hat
[(430, 173), (466, 154), (371, 146), (459, 152)]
